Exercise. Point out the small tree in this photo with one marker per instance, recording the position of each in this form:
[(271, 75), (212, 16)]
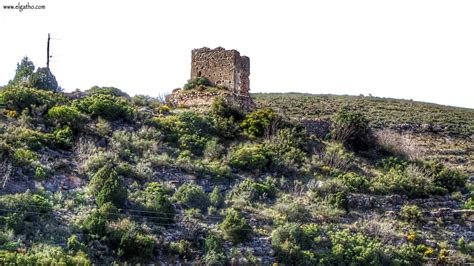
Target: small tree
[(24, 70), (235, 227), (108, 187), (215, 253), (217, 199), (43, 79), (261, 123), (351, 129)]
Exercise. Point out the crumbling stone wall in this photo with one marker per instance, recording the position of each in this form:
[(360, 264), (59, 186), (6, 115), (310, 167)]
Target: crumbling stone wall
[(222, 67)]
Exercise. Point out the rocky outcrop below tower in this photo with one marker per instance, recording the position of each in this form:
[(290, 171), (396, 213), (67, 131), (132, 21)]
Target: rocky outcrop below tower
[(204, 98)]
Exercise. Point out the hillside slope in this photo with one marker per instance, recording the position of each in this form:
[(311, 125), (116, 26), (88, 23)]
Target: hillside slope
[(424, 130), (381, 112), (102, 177)]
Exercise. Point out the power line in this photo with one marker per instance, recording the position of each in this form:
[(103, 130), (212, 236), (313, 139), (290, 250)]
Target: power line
[(106, 218), (127, 210)]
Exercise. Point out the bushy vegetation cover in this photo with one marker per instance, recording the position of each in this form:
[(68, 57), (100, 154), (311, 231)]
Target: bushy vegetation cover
[(196, 82), (21, 98), (107, 106), (106, 178), (235, 227)]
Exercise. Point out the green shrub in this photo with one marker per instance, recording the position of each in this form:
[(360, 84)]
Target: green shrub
[(224, 109), (29, 210), (102, 128), (410, 213), (66, 115), (392, 162), (192, 196), (63, 138), (24, 157), (338, 200), (99, 160), (125, 170), (74, 245), (193, 143), (20, 98), (43, 79), (216, 198), (136, 245), (213, 150), (411, 182), (215, 253), (109, 211), (95, 224), (351, 129), (40, 173), (188, 130), (32, 139), (251, 190), (108, 186), (354, 248), (148, 101), (249, 157), (235, 227), (134, 145), (111, 91), (43, 254), (156, 201), (24, 70), (285, 150), (469, 204), (106, 106), (196, 82), (227, 128), (130, 241), (337, 156), (291, 242), (293, 212), (450, 179), (462, 245), (217, 170), (331, 197), (262, 122), (443, 179), (355, 182), (112, 191), (181, 247)]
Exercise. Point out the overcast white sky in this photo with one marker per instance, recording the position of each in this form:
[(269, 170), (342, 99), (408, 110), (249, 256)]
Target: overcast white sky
[(421, 50)]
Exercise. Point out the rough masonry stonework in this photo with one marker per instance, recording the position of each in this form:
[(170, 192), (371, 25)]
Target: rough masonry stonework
[(223, 68), (228, 73)]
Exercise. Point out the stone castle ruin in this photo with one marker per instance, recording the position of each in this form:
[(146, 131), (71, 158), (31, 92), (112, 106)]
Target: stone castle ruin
[(227, 71), (223, 68)]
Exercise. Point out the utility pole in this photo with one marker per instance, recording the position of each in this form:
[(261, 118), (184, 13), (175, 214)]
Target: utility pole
[(47, 52)]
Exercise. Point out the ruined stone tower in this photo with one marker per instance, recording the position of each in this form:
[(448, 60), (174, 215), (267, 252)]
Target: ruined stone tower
[(223, 68)]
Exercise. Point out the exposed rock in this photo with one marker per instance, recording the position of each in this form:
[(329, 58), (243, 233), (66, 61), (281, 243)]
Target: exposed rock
[(196, 98), (63, 182)]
